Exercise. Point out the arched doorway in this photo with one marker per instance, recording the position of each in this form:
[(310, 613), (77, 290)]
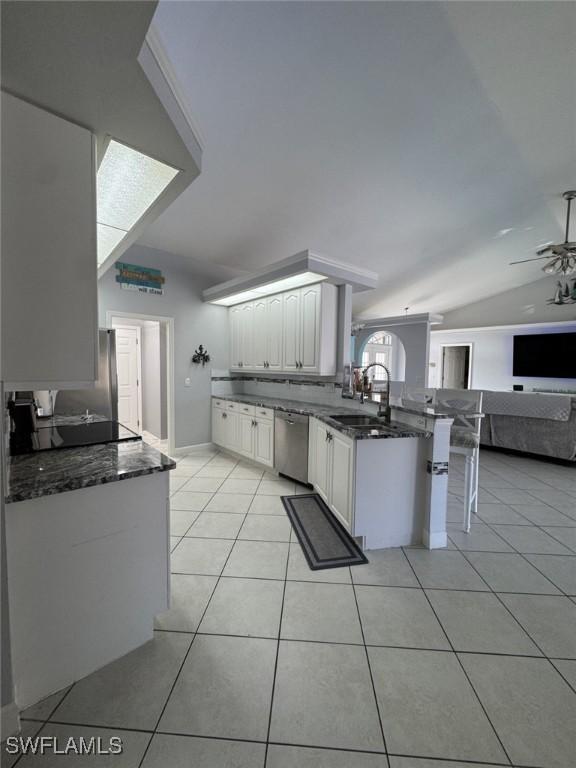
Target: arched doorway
[(383, 347)]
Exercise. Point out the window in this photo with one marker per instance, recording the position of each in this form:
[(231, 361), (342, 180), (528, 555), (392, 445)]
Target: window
[(381, 338), (128, 184), (383, 358)]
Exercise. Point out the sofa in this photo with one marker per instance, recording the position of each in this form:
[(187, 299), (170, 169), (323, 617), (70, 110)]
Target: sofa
[(531, 422)]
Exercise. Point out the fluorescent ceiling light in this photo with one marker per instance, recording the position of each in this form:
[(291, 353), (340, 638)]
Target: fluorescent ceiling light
[(285, 284), (128, 183)]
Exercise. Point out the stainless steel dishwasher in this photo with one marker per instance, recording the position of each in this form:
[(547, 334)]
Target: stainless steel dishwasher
[(291, 445)]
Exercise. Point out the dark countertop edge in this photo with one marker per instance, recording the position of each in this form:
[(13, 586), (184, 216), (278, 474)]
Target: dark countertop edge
[(311, 409), (78, 486)]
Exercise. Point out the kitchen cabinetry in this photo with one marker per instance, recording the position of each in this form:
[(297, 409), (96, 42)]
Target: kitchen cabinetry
[(331, 469), (49, 264), (291, 332), (244, 429)]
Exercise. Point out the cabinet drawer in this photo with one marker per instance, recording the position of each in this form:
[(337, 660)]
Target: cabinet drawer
[(265, 413), (241, 408), (219, 403)]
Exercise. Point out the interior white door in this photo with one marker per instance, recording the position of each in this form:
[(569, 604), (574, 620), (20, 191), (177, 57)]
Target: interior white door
[(455, 367), (310, 328), (274, 333), (128, 368), (291, 331)]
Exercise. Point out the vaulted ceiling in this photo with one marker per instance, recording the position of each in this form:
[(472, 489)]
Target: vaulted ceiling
[(429, 142)]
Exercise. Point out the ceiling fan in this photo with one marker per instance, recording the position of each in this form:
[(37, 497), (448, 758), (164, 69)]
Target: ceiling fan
[(561, 257)]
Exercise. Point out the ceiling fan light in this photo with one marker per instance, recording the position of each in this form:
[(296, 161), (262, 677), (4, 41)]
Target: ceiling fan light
[(550, 268)]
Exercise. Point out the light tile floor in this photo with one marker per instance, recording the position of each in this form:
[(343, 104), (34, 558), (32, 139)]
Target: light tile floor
[(445, 659)]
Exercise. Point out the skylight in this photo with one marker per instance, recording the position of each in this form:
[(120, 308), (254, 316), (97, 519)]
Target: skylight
[(285, 284), (128, 183)]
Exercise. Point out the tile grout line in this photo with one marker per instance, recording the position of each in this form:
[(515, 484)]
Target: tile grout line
[(367, 655), (277, 656), (460, 662), (186, 655)]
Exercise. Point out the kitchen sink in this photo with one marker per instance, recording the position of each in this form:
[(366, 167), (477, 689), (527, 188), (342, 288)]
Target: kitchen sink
[(358, 422), (350, 420)]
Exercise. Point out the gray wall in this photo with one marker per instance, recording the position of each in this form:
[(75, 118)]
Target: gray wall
[(526, 304), (194, 323), (415, 339)]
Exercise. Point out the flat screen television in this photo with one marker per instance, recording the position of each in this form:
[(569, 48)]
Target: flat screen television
[(545, 355)]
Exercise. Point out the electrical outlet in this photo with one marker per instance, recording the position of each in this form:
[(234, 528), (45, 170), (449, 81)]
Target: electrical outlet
[(188, 382)]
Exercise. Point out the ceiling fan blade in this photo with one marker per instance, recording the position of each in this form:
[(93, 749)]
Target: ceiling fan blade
[(544, 249), (538, 258)]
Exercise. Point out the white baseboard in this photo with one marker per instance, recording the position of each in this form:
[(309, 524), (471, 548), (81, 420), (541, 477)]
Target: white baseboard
[(196, 447), (10, 720), (434, 540)]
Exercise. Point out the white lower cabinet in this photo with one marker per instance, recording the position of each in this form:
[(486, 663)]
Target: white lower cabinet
[(241, 429), (264, 441), (331, 469)]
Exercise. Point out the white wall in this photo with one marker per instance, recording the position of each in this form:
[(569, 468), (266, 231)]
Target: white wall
[(492, 356), (194, 323)]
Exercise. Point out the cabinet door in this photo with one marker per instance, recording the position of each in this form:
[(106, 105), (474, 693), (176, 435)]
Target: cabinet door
[(231, 431), (291, 331), (247, 336), (246, 435), (310, 328), (274, 333), (260, 333), (49, 265), (341, 477), (235, 316), (264, 441), (219, 418), (321, 460)]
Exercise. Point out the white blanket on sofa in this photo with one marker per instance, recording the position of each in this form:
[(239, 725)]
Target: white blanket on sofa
[(532, 405)]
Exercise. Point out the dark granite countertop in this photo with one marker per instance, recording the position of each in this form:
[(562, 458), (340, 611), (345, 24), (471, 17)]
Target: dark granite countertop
[(324, 412), (49, 472)]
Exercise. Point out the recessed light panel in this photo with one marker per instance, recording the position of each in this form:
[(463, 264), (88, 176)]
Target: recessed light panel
[(128, 183), (285, 284)]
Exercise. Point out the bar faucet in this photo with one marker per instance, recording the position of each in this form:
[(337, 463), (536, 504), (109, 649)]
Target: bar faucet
[(383, 411)]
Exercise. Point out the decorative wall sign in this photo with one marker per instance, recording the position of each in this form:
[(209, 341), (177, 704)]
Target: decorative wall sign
[(131, 277)]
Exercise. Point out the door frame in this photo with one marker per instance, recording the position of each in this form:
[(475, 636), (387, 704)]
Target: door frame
[(170, 381), (138, 370), (470, 346)]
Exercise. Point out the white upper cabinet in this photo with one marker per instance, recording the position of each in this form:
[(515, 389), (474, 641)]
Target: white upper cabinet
[(274, 333), (49, 263), (247, 335), (260, 335), (235, 319), (291, 332)]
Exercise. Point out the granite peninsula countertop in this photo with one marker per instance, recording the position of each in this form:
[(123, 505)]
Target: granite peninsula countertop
[(50, 472), (324, 412)]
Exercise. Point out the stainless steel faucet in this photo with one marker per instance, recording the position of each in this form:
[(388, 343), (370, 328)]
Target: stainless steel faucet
[(383, 411)]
